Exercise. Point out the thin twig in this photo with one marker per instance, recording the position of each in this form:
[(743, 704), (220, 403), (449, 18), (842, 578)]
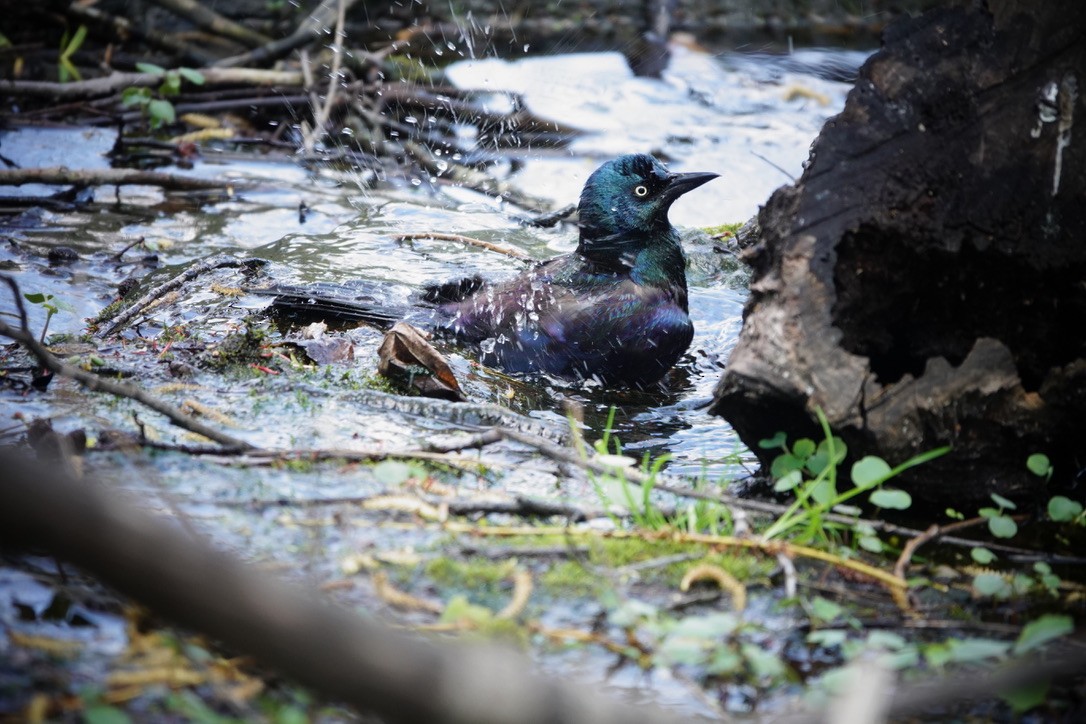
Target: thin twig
[(107, 85), (933, 532), (211, 21), (313, 27), (323, 111), (469, 240), (138, 306), (111, 177)]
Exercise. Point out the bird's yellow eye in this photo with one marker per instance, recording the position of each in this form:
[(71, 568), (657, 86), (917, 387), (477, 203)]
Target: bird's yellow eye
[(641, 191)]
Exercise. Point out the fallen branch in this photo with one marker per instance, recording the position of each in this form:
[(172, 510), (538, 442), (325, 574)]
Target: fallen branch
[(211, 21), (313, 27), (110, 177), (933, 532), (153, 295), (321, 111), (107, 85)]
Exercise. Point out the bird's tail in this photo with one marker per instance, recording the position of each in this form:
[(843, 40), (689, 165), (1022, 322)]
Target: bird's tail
[(331, 303)]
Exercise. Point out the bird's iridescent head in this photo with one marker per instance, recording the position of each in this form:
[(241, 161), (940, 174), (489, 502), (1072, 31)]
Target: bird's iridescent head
[(630, 197)]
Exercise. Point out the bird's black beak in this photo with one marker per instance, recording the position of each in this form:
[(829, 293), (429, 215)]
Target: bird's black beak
[(679, 183)]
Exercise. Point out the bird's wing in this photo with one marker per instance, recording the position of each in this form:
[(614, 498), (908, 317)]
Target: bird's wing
[(579, 324)]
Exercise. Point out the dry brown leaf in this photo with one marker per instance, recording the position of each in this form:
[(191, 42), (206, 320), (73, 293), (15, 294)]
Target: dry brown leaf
[(406, 357)]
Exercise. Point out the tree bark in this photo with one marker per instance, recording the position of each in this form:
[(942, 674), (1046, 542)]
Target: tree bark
[(922, 283)]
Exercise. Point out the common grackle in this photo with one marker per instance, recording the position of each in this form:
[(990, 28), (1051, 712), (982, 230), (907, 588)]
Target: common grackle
[(614, 310)]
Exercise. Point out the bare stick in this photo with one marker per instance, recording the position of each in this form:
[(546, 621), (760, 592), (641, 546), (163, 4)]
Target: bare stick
[(134, 309), (398, 677), (933, 532), (93, 382), (107, 85), (322, 112), (313, 27), (110, 177), (213, 22), (469, 240)]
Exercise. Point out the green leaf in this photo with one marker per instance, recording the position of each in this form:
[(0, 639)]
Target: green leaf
[(887, 640), (161, 112), (967, 651), (991, 584), (135, 96), (982, 555), (788, 481), (171, 84), (103, 714), (937, 655), (951, 513), (763, 664), (682, 650), (34, 297), (840, 449), (823, 609), (392, 472), (871, 543), (291, 715), (803, 448), (460, 608), (1039, 632), (75, 43), (1062, 509), (709, 627), (1039, 465), (822, 458), (150, 68), (888, 498), (1025, 698), (724, 661), (829, 638), (823, 491), (1003, 502), (784, 464), (192, 76), (1002, 526), (771, 442), (630, 613), (869, 471)]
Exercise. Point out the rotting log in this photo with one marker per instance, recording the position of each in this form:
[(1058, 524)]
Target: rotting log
[(923, 281)]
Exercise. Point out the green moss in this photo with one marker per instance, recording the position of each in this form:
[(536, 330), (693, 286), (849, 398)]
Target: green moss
[(241, 349), (570, 577), (723, 229), (474, 573)]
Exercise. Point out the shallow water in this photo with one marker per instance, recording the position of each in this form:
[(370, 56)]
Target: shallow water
[(740, 116)]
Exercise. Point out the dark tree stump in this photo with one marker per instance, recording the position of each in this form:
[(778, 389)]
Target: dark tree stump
[(924, 282)]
